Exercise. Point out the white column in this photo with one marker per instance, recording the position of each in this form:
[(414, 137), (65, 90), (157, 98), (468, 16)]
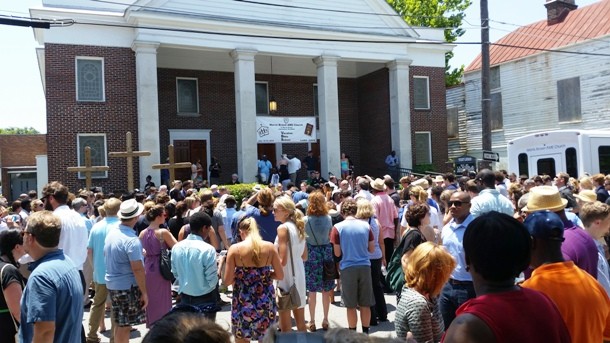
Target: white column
[(245, 108), (400, 113), (328, 105), (148, 108)]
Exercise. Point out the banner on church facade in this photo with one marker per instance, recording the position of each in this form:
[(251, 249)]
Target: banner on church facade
[(285, 129)]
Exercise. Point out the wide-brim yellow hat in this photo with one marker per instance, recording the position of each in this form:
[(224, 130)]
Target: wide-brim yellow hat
[(544, 198)]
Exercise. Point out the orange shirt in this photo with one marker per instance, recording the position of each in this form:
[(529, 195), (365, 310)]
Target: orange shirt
[(581, 300)]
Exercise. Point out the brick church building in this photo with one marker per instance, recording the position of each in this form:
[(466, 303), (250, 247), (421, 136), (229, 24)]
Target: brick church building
[(197, 77)]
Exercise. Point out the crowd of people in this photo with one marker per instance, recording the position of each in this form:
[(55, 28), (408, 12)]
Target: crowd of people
[(482, 257)]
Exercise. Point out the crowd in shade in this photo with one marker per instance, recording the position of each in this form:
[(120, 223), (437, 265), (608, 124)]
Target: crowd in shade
[(477, 257)]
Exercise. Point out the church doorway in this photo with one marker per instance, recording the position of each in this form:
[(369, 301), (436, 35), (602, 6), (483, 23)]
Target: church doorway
[(269, 150), (190, 151), (190, 146)]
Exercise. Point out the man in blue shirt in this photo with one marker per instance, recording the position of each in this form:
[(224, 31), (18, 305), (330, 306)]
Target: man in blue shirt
[(264, 168), (95, 247), (52, 302), (459, 288), (124, 276), (194, 265)]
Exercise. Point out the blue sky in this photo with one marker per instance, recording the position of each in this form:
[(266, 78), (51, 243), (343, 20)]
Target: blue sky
[(22, 101)]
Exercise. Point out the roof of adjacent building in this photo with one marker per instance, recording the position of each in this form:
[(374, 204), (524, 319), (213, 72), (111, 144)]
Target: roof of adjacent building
[(586, 23)]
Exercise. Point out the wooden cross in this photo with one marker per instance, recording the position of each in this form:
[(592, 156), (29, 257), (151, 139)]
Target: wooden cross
[(129, 155), (88, 169), (171, 165)]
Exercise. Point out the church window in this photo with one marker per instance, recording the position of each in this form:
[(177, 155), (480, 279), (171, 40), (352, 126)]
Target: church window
[(187, 91), (90, 79), (421, 93), (97, 143)]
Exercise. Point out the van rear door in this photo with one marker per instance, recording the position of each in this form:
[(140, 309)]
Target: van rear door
[(548, 164)]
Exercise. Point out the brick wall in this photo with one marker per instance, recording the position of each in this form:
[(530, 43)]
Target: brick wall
[(434, 119), (66, 117), (374, 114), (19, 151), (375, 134), (294, 95)]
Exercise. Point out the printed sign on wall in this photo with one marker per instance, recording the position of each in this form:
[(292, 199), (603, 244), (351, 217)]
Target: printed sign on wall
[(285, 129)]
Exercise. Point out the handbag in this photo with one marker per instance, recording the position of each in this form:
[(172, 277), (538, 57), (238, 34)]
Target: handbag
[(329, 267), (289, 299), (165, 262), (4, 296)]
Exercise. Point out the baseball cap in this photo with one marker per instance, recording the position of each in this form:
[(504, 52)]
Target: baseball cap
[(544, 225)]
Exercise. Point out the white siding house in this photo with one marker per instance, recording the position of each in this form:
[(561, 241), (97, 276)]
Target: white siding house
[(550, 75)]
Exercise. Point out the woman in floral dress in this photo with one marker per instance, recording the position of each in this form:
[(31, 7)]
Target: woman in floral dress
[(317, 227), (251, 267)]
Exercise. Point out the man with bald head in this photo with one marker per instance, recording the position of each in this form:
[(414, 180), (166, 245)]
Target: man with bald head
[(459, 288)]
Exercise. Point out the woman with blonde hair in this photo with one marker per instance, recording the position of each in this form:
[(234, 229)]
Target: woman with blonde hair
[(585, 182), (366, 213), (317, 227), (290, 242), (418, 317), (37, 205), (251, 266)]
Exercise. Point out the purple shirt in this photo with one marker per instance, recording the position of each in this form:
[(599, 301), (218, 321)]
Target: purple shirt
[(580, 248)]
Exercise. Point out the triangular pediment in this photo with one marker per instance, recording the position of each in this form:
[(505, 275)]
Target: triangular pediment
[(370, 17)]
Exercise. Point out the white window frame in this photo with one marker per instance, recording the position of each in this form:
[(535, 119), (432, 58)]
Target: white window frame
[(266, 83), (429, 145), (427, 92), (316, 105), (187, 114), (457, 122), (76, 59), (81, 175)]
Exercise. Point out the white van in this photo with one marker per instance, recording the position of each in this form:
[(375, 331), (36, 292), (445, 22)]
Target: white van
[(575, 152)]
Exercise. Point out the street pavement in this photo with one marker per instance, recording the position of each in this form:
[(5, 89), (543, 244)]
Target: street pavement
[(337, 318)]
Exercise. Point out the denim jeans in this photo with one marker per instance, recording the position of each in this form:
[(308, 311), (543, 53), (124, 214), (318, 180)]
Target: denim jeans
[(453, 296), (206, 303)]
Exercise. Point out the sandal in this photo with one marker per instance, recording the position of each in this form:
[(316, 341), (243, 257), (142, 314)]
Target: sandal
[(311, 327), (325, 325)]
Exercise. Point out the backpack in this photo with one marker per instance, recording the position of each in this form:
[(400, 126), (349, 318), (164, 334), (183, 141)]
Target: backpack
[(395, 278)]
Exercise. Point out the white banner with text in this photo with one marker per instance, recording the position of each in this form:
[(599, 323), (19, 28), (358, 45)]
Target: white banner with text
[(285, 129)]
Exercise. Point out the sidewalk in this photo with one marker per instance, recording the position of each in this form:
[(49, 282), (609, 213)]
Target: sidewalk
[(337, 318)]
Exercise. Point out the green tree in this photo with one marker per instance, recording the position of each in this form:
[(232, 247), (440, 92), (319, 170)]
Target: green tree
[(446, 14), (19, 131)]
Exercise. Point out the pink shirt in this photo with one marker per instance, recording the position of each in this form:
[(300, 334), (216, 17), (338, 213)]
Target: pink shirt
[(386, 213)]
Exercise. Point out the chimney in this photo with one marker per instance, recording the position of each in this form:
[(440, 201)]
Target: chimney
[(557, 10)]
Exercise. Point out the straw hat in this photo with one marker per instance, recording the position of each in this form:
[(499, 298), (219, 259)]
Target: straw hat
[(544, 198), (378, 185), (130, 209), (587, 195), (439, 178), (423, 183)]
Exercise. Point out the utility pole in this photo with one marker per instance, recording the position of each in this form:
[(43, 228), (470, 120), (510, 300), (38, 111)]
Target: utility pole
[(485, 91)]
